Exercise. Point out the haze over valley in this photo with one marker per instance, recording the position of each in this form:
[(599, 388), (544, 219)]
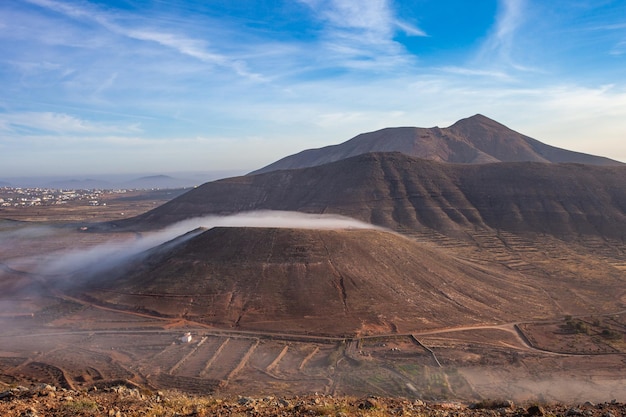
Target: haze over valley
[(312, 207), (462, 263)]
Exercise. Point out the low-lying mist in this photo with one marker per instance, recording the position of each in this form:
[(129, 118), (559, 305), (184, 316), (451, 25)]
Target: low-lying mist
[(61, 262)]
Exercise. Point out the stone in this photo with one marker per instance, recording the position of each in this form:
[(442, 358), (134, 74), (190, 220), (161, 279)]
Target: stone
[(244, 401), (7, 395), (535, 410), (368, 403), (30, 412)]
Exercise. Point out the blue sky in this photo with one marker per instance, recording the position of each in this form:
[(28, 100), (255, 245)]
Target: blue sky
[(160, 86)]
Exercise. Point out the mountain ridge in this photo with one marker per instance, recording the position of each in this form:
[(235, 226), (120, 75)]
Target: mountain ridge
[(403, 193), (474, 140)]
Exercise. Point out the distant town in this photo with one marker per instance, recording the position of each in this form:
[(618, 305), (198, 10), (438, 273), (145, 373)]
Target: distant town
[(29, 197)]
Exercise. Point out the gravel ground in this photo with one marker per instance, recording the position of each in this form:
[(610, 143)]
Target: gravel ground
[(125, 401)]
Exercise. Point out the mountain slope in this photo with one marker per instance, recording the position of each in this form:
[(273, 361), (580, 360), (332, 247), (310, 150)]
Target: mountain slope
[(318, 281), (474, 140), (404, 193)]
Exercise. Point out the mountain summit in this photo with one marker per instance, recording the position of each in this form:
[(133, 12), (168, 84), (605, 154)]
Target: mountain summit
[(475, 140)]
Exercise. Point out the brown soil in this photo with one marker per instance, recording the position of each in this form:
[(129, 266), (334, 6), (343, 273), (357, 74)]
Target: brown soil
[(49, 336), (329, 282), (127, 400)]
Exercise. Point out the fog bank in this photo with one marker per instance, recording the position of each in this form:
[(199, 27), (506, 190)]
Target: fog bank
[(60, 262)]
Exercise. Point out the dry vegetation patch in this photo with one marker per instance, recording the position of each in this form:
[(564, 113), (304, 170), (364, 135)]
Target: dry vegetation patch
[(122, 401), (586, 335)]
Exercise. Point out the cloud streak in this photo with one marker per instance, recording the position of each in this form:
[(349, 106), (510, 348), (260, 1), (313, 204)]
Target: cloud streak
[(499, 52), (361, 34), (374, 18), (184, 45), (61, 264), (58, 123)]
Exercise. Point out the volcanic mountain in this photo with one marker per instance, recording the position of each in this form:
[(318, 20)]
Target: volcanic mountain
[(405, 193), (317, 281), (475, 140)]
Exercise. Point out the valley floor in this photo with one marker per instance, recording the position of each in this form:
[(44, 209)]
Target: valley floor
[(570, 348)]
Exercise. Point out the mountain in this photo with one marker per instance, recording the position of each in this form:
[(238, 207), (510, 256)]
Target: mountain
[(474, 140), (159, 181), (404, 193), (319, 281)]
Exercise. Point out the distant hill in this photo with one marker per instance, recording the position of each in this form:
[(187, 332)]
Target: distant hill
[(120, 181), (474, 140), (318, 281), (405, 193), (158, 181), (143, 183), (86, 184)]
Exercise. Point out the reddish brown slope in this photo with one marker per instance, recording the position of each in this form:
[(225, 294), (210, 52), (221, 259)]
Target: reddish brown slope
[(324, 282), (403, 193), (506, 145), (474, 140)]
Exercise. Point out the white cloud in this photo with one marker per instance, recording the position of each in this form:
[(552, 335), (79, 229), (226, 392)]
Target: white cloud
[(57, 123), (499, 48), (509, 19), (374, 17), (619, 49), (65, 8), (194, 48), (360, 34), (108, 83), (184, 45), (346, 118), (409, 29), (501, 75)]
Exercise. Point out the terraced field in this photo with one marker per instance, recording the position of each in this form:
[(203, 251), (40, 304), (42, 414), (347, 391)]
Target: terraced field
[(50, 335)]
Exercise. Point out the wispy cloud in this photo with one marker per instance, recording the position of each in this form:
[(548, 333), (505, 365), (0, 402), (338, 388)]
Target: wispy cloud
[(194, 48), (374, 18), (619, 49), (497, 74), (184, 45), (357, 32), (509, 19), (409, 29), (57, 123), (500, 47)]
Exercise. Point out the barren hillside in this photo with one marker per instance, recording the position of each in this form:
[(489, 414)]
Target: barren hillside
[(475, 140), (334, 282), (404, 193)]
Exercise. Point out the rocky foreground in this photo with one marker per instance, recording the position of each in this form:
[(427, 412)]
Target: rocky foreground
[(126, 401)]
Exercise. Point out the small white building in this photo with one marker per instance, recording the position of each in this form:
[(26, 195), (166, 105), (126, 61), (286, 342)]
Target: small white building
[(186, 338)]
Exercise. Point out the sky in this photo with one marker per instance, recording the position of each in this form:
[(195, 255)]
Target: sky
[(163, 86)]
